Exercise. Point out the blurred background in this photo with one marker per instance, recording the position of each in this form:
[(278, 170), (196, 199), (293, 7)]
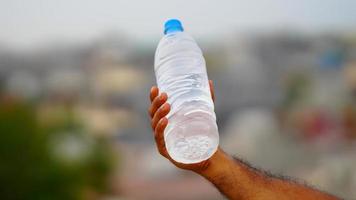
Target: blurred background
[(75, 78)]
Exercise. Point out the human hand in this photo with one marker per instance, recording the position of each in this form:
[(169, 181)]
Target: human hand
[(158, 110)]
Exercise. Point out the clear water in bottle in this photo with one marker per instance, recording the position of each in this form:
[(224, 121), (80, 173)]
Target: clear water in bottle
[(192, 134)]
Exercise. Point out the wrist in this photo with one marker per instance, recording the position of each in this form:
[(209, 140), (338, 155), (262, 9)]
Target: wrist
[(216, 165)]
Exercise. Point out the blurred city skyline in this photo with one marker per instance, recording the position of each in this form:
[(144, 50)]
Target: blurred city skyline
[(29, 24)]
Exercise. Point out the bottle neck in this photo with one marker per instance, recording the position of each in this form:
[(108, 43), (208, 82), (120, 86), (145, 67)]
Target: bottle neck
[(173, 30)]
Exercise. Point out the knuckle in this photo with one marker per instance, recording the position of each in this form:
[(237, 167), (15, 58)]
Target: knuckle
[(153, 124), (161, 142), (156, 136), (159, 112), (154, 103), (161, 152), (157, 99)]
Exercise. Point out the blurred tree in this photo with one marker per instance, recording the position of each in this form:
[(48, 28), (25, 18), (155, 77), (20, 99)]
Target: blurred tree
[(296, 88), (28, 168)]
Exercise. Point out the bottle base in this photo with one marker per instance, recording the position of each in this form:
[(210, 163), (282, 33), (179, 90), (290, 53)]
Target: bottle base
[(193, 140), (193, 149)]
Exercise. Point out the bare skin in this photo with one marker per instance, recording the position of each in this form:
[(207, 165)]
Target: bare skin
[(232, 177)]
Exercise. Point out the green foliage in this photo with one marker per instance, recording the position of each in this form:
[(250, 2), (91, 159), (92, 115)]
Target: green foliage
[(296, 88), (28, 170)]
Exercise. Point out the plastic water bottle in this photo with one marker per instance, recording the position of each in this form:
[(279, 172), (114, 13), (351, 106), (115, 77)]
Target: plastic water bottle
[(191, 135)]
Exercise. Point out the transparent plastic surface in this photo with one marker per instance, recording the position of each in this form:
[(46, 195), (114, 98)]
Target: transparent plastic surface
[(192, 134)]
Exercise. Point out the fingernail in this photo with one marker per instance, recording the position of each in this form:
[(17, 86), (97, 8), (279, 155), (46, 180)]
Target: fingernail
[(164, 107), (163, 120)]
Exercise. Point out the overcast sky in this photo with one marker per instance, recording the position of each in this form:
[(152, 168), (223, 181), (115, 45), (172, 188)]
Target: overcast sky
[(32, 22)]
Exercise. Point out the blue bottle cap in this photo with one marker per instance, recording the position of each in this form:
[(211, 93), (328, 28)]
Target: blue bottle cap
[(172, 25)]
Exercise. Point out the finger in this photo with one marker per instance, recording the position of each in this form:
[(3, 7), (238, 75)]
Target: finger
[(156, 103), (212, 89), (159, 136), (161, 112), (153, 93)]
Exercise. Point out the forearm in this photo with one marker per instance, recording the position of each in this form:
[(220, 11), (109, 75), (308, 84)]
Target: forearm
[(237, 180)]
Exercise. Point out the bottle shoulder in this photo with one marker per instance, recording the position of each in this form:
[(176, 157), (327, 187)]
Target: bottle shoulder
[(176, 40), (177, 43)]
